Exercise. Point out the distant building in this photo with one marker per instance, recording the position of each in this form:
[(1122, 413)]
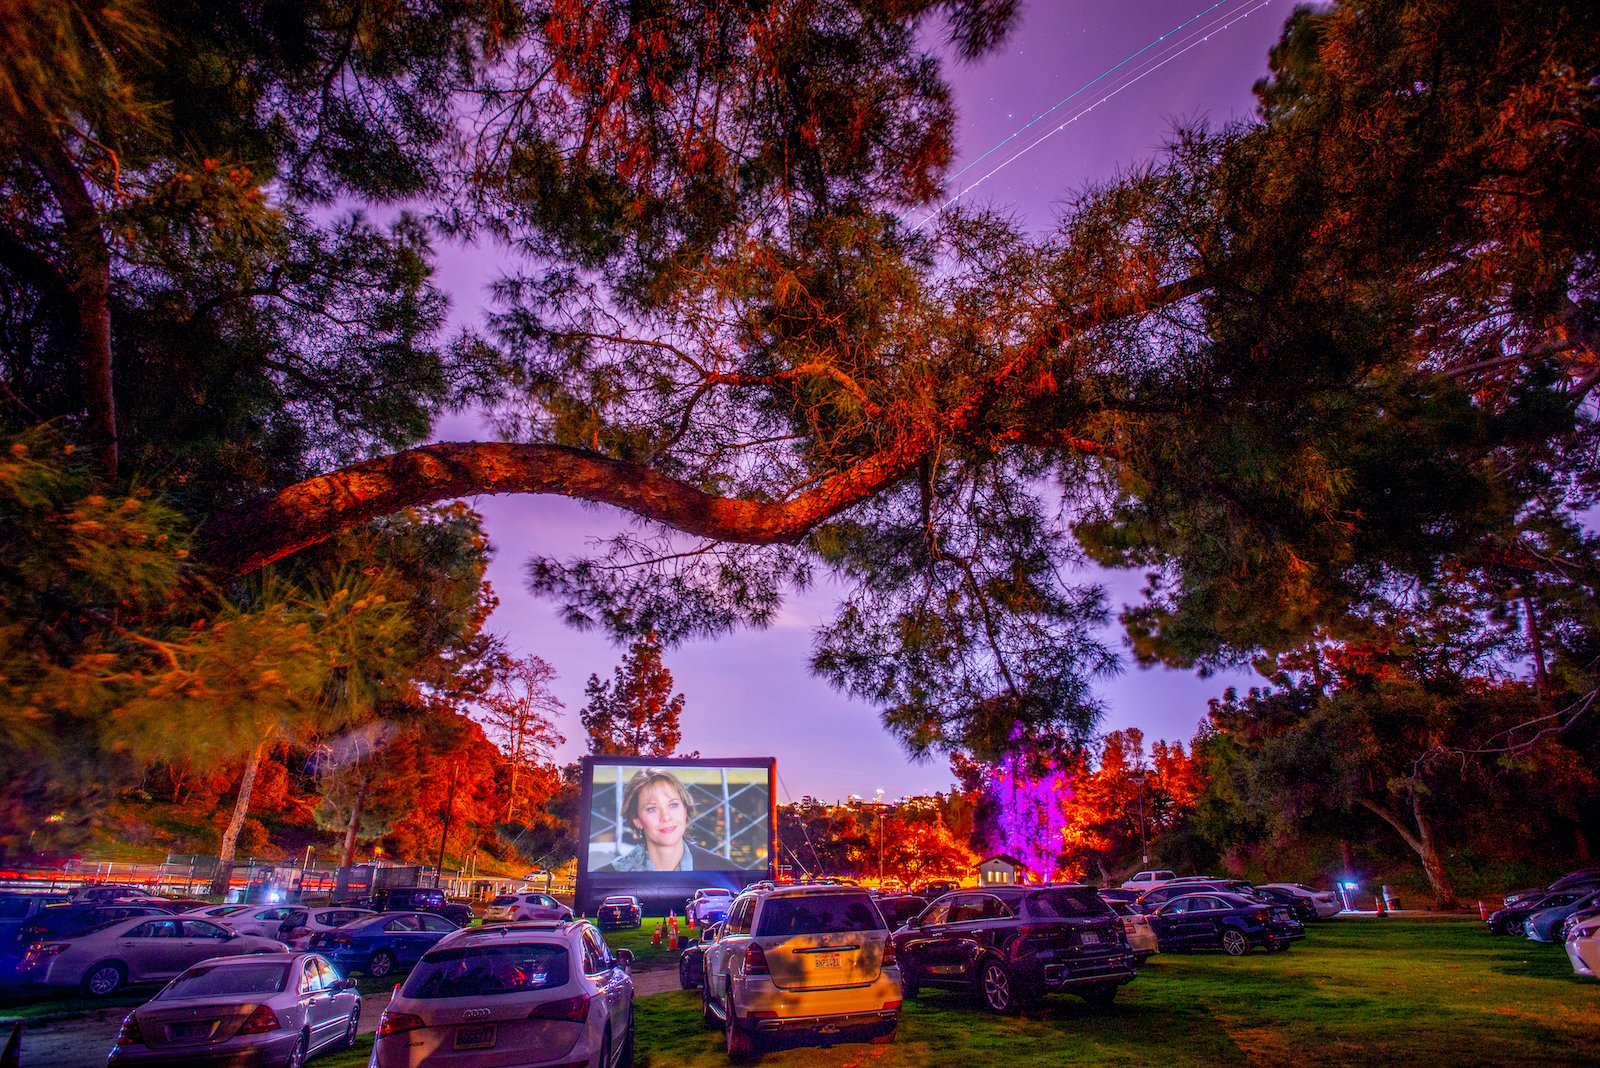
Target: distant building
[(1001, 870)]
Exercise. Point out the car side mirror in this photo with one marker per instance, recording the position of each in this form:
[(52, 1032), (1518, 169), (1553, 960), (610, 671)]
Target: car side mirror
[(624, 957), (345, 984)]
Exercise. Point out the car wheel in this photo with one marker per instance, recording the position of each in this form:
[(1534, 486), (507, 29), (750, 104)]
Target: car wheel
[(351, 1026), (999, 989), (740, 1044), (1234, 943), (380, 964), (605, 1050), (1103, 994), (909, 987), (684, 982), (297, 1056), (103, 980)]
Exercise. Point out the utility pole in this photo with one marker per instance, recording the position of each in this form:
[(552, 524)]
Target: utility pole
[(444, 832), (1144, 835)]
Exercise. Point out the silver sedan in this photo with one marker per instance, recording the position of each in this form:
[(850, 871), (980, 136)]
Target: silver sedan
[(264, 1009), (134, 950)]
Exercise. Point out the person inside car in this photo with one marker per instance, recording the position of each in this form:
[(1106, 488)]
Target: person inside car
[(658, 807)]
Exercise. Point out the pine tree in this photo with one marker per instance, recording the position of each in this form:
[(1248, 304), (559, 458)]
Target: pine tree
[(635, 712)]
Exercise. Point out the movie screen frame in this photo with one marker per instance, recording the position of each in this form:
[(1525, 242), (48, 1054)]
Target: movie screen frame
[(732, 831)]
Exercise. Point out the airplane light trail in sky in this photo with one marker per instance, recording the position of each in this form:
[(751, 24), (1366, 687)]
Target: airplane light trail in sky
[(1161, 59)]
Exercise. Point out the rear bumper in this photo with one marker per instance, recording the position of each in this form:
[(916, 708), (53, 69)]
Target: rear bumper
[(1067, 975), (271, 1049), (763, 1007), (867, 1024)]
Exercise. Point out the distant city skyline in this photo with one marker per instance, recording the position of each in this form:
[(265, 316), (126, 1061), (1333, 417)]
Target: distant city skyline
[(750, 694)]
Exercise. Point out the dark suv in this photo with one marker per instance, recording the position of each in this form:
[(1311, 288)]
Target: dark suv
[(419, 899), (1014, 944)]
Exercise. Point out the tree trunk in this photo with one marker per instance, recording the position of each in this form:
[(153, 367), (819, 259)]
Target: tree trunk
[(1541, 677), (1422, 841), (347, 856), (241, 807)]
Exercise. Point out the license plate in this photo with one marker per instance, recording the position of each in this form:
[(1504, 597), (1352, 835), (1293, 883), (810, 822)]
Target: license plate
[(1089, 938), (477, 1036), (826, 960), (191, 1031)]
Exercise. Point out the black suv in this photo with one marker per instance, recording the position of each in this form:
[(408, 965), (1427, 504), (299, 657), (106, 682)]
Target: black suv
[(1014, 944), (419, 899)]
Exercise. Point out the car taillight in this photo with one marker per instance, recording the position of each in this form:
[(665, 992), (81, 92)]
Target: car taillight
[(392, 1023), (888, 952), (130, 1035), (755, 960), (1262, 914), (573, 1010), (45, 950), (260, 1022)]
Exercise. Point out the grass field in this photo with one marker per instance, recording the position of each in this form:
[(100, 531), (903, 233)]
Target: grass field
[(1355, 991)]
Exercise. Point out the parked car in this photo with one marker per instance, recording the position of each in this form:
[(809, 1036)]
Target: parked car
[(16, 910), (1571, 923), (417, 899), (1148, 880), (805, 963), (1545, 924), (898, 908), (620, 910), (277, 1009), (533, 993), (1015, 944), (1326, 902), (1136, 929), (68, 921), (261, 920), (707, 902), (1151, 900), (103, 893), (213, 912), (135, 950), (692, 958), (1583, 878), (526, 905), (1508, 920), (1116, 893), (1230, 922), (1301, 907), (932, 888), (1583, 948), (382, 944), (301, 924)]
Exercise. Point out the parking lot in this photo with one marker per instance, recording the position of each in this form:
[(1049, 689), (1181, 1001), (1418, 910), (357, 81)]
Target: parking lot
[(1357, 990)]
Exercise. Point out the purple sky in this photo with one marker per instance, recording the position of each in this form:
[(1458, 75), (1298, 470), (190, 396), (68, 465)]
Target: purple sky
[(750, 694)]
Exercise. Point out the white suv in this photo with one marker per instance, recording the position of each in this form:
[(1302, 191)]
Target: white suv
[(1148, 880), (813, 961), (517, 993)]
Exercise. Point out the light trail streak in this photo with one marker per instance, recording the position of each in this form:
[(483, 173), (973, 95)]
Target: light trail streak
[(1174, 51)]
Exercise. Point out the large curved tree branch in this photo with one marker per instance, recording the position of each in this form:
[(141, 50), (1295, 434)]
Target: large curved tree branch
[(311, 511)]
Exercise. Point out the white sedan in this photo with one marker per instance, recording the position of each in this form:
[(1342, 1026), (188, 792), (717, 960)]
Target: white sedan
[(512, 994), (263, 920), (1326, 902), (135, 950), (301, 924), (1583, 948)]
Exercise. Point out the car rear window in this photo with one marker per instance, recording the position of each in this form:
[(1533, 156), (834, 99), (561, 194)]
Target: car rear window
[(504, 899), (223, 981), (13, 908), (1060, 902), (474, 971), (818, 914)]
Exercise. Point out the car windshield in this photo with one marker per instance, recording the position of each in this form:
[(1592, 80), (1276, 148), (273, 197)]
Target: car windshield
[(473, 971), (228, 980), (1058, 902), (504, 899), (818, 914)]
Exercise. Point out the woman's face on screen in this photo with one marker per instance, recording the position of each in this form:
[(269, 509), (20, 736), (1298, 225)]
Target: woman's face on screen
[(661, 815)]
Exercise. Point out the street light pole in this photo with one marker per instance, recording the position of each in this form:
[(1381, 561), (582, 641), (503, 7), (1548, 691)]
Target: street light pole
[(1144, 837)]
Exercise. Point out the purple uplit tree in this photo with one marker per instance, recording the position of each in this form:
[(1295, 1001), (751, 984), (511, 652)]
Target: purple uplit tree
[(1031, 788)]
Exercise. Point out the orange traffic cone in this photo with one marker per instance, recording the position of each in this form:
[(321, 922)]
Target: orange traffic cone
[(1483, 913), (1379, 904), (656, 941), (672, 942), (688, 920)]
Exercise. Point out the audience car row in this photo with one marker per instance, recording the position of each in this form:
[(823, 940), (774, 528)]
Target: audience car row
[(1565, 913)]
